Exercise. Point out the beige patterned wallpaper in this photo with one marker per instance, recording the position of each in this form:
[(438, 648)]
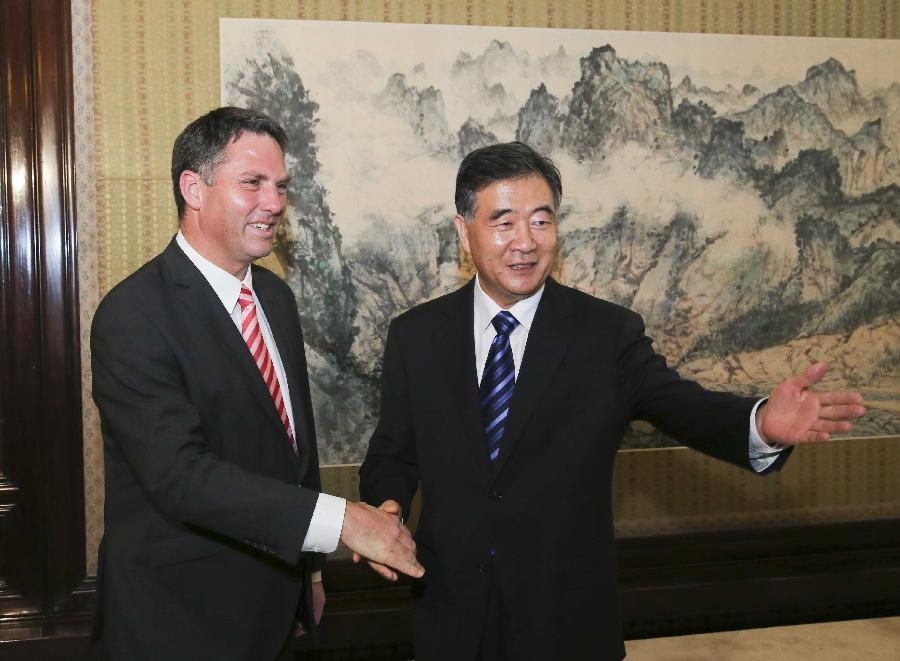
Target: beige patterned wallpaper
[(144, 69)]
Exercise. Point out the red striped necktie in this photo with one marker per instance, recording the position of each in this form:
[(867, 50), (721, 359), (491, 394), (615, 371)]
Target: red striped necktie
[(252, 333)]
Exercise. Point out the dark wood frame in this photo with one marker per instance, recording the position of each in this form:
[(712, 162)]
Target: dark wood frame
[(668, 585), (42, 566)]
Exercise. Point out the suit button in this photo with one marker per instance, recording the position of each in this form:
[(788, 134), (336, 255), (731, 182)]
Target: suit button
[(496, 495)]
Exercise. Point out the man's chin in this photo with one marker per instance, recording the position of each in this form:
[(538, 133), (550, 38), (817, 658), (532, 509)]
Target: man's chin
[(527, 285), (523, 290), (262, 248)]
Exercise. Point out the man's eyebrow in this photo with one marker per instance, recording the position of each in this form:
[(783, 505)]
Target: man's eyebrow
[(254, 174), (502, 211)]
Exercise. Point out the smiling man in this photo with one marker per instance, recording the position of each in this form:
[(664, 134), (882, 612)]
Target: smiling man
[(506, 402), (214, 521)]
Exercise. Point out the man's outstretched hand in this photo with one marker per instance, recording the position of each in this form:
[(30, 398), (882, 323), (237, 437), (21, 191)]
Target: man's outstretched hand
[(381, 538), (794, 413), (391, 507)]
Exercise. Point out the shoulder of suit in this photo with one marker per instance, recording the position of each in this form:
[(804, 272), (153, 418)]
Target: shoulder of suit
[(429, 310), (134, 289), (589, 305), (583, 304)]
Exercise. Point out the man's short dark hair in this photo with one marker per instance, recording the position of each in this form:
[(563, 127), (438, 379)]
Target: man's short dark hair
[(507, 160), (201, 145)]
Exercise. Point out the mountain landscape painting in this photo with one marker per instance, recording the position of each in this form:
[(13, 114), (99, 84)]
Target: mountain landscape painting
[(741, 193)]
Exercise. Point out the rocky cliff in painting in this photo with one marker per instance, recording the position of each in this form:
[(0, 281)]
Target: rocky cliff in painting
[(540, 122), (754, 228), (615, 102), (423, 109)]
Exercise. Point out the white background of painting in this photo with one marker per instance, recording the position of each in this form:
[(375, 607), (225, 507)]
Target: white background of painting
[(372, 164)]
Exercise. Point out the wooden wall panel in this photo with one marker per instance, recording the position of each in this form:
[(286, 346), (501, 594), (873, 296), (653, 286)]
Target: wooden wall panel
[(21, 575), (42, 556)]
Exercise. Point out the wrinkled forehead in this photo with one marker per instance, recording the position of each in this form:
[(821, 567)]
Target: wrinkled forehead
[(531, 187)]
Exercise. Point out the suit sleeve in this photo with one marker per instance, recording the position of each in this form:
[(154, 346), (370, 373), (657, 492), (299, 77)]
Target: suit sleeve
[(390, 470), (150, 423), (303, 406), (715, 423)]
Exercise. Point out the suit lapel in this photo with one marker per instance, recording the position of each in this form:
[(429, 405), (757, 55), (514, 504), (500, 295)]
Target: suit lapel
[(197, 294), (549, 338), (277, 317), (454, 342)]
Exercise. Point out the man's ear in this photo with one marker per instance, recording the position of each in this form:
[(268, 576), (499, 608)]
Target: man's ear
[(190, 184), (462, 229)]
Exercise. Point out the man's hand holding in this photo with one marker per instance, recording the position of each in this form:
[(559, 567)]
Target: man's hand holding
[(318, 603), (391, 507), (797, 414), (380, 537)]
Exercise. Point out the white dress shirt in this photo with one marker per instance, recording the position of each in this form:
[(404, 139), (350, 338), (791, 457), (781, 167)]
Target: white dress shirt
[(328, 516), (485, 311), (760, 453)]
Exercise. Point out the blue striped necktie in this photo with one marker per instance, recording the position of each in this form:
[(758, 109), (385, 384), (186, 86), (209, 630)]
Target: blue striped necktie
[(498, 383)]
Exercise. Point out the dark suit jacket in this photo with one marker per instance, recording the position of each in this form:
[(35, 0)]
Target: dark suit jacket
[(545, 508), (204, 517)]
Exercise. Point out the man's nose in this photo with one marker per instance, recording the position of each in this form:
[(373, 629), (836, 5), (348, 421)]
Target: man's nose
[(523, 239), (274, 200)]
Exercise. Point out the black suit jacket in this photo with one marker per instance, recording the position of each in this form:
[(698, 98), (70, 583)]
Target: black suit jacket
[(545, 509), (204, 516)]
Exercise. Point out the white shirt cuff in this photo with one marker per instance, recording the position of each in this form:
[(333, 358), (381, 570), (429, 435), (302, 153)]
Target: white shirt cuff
[(325, 526), (762, 455)]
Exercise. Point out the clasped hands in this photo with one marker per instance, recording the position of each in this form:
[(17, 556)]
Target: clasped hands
[(379, 536)]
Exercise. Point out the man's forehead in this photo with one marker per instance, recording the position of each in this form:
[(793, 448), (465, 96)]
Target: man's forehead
[(515, 183), (249, 150), (246, 136), (512, 187)]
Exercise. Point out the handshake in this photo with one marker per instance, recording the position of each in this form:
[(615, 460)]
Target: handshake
[(379, 536)]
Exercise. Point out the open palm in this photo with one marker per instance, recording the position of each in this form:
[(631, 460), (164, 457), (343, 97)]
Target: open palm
[(794, 413)]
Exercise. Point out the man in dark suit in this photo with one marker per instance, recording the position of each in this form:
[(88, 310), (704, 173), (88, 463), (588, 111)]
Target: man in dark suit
[(507, 400), (213, 511)]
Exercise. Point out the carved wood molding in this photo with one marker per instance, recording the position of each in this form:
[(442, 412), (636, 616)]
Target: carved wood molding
[(42, 553)]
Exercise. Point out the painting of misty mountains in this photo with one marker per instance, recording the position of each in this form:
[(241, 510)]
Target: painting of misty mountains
[(741, 193)]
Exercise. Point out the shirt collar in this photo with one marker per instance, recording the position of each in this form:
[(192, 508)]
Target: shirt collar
[(486, 308), (226, 286)]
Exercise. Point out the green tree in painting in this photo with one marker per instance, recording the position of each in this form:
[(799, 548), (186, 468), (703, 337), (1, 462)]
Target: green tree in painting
[(309, 243)]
